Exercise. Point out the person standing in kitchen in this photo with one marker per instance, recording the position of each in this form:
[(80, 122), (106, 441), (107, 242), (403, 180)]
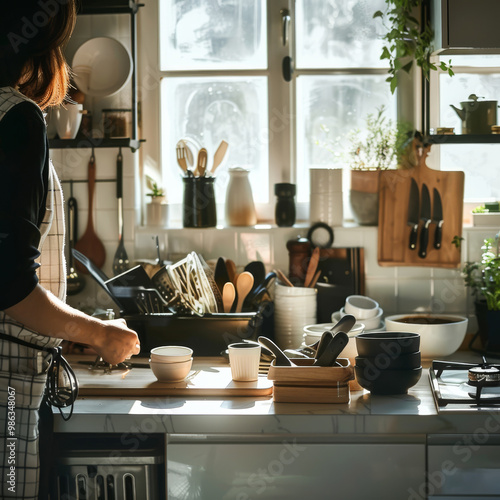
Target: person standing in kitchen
[(33, 315)]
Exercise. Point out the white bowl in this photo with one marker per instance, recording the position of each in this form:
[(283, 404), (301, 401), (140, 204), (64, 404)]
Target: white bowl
[(312, 333), (436, 340), (370, 323), (171, 354), (102, 66), (68, 118), (361, 307), (171, 372)]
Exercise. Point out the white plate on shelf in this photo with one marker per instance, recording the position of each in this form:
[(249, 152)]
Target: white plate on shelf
[(102, 66)]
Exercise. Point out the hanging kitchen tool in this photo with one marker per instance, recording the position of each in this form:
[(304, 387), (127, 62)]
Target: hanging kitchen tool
[(120, 260), (74, 282), (89, 244)]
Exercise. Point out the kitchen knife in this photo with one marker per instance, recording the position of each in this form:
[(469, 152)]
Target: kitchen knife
[(413, 209), (425, 216), (437, 218)]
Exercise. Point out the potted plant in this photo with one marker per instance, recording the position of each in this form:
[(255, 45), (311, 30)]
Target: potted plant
[(483, 278), (377, 147), (157, 209), (408, 39)]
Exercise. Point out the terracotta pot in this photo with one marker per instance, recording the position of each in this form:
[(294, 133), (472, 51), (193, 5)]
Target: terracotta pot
[(364, 197)]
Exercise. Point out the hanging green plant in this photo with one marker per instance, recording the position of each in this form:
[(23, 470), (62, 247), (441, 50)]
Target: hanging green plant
[(407, 40)]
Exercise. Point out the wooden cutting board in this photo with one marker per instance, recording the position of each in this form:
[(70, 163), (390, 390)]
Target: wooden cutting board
[(393, 231), (208, 377)]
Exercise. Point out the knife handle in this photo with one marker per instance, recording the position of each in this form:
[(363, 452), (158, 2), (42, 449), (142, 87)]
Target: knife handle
[(438, 235), (424, 240), (413, 237)]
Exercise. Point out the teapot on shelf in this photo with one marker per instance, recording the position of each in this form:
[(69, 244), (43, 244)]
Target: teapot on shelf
[(477, 116)]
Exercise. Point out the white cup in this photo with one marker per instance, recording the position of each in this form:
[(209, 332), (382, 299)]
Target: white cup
[(361, 307), (68, 119), (244, 360)]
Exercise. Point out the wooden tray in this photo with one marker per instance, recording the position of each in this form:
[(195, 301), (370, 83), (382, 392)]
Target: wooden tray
[(208, 377), (311, 384), (393, 231)]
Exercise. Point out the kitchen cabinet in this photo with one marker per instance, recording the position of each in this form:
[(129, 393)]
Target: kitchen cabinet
[(464, 465), (461, 26), (291, 468), (96, 7)]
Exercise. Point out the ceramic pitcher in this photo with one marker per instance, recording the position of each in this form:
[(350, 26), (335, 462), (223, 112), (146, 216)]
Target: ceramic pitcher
[(240, 208)]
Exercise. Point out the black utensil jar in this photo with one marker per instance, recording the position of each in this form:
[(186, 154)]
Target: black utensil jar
[(199, 202), (285, 204)]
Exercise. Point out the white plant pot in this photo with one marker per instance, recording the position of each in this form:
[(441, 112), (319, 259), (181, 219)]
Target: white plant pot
[(156, 214)]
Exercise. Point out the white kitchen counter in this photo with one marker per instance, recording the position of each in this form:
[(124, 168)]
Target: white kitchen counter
[(412, 413)]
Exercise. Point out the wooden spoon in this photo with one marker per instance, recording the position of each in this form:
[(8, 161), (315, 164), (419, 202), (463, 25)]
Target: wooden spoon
[(243, 287), (219, 156), (89, 244), (228, 296), (312, 267)]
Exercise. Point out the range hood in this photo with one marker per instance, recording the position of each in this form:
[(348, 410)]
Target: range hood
[(466, 26)]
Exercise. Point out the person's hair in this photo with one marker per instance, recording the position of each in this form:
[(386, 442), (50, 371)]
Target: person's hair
[(32, 37)]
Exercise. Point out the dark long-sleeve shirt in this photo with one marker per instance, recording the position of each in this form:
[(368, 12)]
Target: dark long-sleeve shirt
[(24, 169)]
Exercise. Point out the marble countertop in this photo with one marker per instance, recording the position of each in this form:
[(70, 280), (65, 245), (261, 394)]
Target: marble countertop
[(412, 413)]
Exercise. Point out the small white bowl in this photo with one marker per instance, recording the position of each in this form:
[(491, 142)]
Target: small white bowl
[(370, 323), (171, 372), (171, 354), (361, 307), (312, 333), (68, 118)]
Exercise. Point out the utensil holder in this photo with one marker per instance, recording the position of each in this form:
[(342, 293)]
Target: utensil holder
[(199, 208)]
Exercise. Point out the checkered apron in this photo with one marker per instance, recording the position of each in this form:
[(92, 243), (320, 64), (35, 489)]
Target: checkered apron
[(23, 370)]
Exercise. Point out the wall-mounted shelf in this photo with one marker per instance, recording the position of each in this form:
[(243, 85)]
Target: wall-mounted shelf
[(464, 139), (85, 142), (109, 7)]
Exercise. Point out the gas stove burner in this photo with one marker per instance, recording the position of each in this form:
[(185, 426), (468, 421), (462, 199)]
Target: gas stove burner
[(484, 376)]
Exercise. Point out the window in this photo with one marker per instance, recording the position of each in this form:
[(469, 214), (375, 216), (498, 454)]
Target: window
[(221, 68), (474, 74)]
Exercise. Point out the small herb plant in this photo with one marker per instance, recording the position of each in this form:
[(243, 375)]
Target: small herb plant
[(481, 209), (379, 145), (407, 40), (155, 190), (484, 277)]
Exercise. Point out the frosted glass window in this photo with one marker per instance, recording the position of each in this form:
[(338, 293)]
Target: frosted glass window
[(208, 110), (213, 35), (328, 108), (339, 34)]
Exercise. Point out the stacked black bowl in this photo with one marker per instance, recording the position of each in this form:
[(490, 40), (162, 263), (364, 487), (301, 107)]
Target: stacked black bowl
[(388, 362)]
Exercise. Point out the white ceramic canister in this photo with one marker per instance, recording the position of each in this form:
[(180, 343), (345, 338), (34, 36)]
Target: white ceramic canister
[(294, 308), (325, 199), (240, 208)]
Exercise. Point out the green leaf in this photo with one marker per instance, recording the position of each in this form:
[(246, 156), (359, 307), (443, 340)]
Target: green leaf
[(385, 53), (379, 13), (394, 84), (407, 67)]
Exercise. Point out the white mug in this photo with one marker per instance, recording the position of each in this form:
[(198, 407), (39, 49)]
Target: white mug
[(244, 359)]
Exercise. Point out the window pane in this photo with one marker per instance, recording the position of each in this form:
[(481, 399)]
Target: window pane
[(208, 110), (472, 60), (328, 107), (478, 161), (202, 34), (339, 34)]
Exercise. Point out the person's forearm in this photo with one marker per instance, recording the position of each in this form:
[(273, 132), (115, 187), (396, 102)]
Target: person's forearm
[(44, 313)]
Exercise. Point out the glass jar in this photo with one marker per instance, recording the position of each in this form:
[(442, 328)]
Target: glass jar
[(117, 123), (285, 204)]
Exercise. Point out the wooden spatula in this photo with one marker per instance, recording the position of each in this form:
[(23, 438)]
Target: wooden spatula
[(89, 244), (219, 156)]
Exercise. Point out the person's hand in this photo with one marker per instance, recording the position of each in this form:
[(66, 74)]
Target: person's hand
[(117, 343)]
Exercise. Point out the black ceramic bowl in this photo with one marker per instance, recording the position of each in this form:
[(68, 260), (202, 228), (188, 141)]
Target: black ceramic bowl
[(384, 361), (394, 344), (388, 381)]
